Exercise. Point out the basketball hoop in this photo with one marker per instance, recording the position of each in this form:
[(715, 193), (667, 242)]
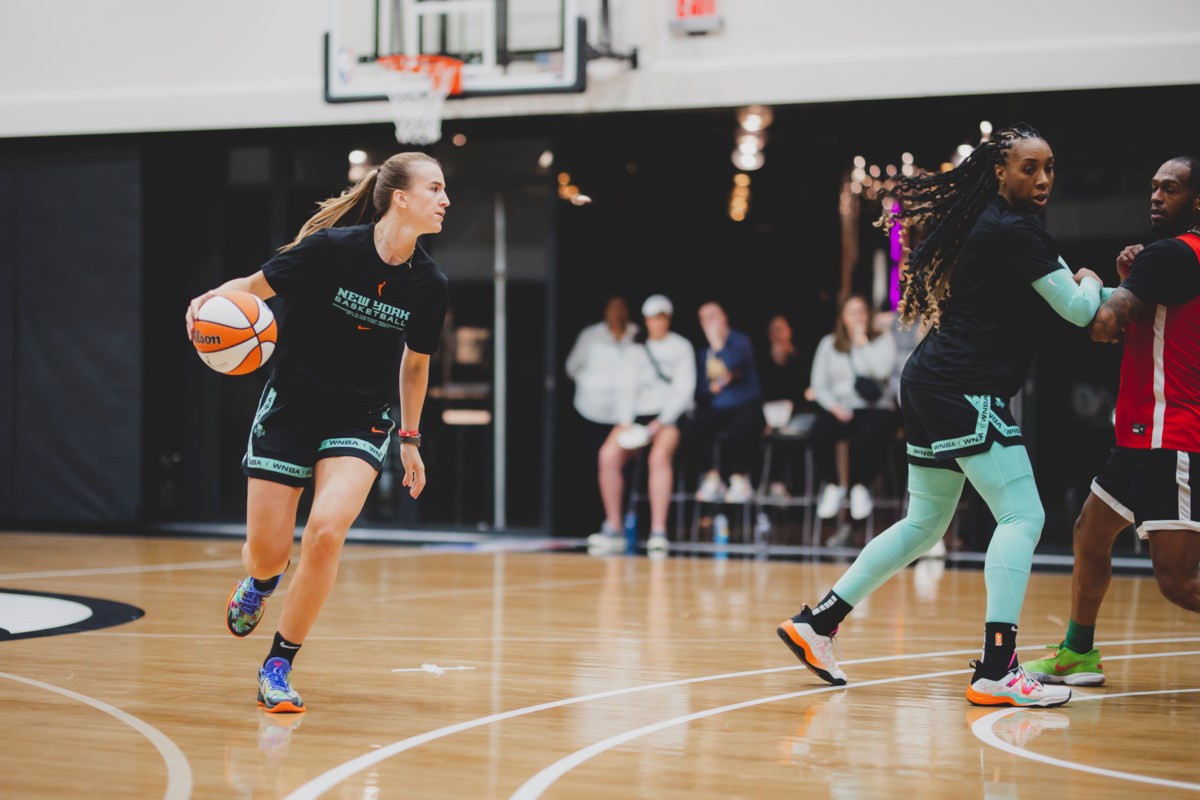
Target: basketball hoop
[(417, 89)]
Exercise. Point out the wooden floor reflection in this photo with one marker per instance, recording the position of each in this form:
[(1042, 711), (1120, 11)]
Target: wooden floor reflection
[(440, 673)]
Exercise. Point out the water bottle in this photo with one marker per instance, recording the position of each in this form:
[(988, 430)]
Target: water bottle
[(762, 529), (631, 533), (720, 535)]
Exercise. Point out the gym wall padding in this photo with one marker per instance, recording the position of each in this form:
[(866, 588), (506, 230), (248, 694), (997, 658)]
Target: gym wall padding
[(75, 225), (8, 332)]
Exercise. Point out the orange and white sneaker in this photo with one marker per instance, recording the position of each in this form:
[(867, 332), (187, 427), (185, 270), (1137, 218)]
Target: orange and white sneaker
[(814, 650), (1017, 688)]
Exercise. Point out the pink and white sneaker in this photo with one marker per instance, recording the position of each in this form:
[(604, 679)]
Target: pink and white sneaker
[(1016, 688)]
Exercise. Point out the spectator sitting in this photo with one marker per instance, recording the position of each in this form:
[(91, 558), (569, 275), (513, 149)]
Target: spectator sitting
[(657, 389), (786, 371), (854, 351), (729, 400), (595, 364), (787, 398)]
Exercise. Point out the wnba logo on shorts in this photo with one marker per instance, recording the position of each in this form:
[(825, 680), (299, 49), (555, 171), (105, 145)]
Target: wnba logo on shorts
[(200, 338)]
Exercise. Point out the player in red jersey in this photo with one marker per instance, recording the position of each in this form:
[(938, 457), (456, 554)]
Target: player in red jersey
[(1154, 469)]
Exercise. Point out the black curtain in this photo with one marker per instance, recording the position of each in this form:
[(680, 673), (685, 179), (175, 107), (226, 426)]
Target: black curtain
[(8, 338), (72, 256)]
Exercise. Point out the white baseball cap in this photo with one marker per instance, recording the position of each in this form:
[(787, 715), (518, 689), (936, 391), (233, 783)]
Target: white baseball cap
[(657, 304)]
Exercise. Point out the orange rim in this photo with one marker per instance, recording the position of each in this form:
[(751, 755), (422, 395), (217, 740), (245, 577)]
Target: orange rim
[(433, 65)]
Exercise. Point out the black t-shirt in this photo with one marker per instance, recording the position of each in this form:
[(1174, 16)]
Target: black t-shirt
[(786, 381), (349, 313), (1165, 274), (994, 317)]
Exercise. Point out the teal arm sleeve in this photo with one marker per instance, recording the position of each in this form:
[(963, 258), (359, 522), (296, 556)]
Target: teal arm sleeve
[(1105, 293), (1074, 302)]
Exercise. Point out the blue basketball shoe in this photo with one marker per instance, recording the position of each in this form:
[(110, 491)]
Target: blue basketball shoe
[(246, 606), (275, 692)]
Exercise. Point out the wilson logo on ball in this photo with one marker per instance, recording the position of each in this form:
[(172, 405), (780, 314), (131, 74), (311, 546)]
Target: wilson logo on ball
[(234, 332)]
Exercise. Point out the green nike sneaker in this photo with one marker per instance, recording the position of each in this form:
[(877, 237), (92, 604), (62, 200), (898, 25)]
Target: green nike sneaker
[(1067, 666)]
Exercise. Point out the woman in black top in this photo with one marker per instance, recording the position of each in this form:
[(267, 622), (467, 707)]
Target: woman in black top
[(987, 276), (359, 289)]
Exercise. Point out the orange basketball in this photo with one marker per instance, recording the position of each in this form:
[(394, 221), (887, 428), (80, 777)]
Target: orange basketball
[(234, 332)]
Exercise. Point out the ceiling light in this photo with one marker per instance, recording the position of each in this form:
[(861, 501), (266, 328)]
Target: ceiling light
[(748, 161), (755, 118)]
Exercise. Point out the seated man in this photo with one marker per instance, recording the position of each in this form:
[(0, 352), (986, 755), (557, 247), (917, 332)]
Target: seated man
[(728, 400)]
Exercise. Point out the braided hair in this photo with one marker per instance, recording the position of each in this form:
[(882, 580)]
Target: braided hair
[(947, 204)]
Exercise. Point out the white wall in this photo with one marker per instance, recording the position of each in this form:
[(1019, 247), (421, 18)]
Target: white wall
[(82, 66)]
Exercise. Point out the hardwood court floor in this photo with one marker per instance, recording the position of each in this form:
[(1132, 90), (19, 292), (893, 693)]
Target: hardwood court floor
[(568, 676)]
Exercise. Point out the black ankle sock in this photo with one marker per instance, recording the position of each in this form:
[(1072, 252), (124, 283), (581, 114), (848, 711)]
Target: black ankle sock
[(282, 648), (999, 647), (269, 584), (828, 614)]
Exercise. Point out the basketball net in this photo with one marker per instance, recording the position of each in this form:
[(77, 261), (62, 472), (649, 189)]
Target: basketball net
[(417, 90)]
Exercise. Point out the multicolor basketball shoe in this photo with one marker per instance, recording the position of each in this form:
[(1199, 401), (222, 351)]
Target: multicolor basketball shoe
[(1016, 688), (814, 650), (275, 692), (246, 605), (1067, 666)]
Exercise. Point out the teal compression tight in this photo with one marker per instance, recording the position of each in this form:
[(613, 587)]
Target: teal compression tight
[(1003, 477)]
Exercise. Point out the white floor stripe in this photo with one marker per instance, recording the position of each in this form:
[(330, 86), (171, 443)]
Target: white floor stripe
[(326, 781), (982, 728), (224, 564), (539, 783), (179, 771), (535, 786), (123, 570)]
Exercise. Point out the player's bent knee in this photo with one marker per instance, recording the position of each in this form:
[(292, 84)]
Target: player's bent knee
[(1183, 591)]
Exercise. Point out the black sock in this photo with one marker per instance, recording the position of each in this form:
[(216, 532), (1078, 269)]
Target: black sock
[(267, 586), (828, 614), (282, 648), (999, 649)]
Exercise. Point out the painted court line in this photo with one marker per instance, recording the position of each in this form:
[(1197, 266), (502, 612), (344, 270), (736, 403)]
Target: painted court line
[(326, 781), (124, 570), (179, 772), (539, 783), (982, 728), (135, 569), (535, 786)]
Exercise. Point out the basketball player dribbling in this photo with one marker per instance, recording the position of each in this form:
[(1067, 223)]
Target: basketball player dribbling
[(359, 290), (987, 275), (1153, 473)]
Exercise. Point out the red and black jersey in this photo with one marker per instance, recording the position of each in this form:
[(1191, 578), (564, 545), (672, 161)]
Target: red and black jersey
[(1158, 405)]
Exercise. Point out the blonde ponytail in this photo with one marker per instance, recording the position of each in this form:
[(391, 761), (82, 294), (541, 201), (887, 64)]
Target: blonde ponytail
[(366, 201)]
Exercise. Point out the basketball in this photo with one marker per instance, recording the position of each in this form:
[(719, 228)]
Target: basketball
[(234, 332)]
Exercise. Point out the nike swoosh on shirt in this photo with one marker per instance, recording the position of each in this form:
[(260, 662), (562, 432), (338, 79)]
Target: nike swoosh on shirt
[(376, 430), (364, 327)]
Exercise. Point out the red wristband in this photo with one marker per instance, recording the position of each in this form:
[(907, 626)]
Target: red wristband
[(413, 432)]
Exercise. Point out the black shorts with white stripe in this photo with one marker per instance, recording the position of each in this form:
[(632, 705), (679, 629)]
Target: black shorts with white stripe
[(1151, 488)]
